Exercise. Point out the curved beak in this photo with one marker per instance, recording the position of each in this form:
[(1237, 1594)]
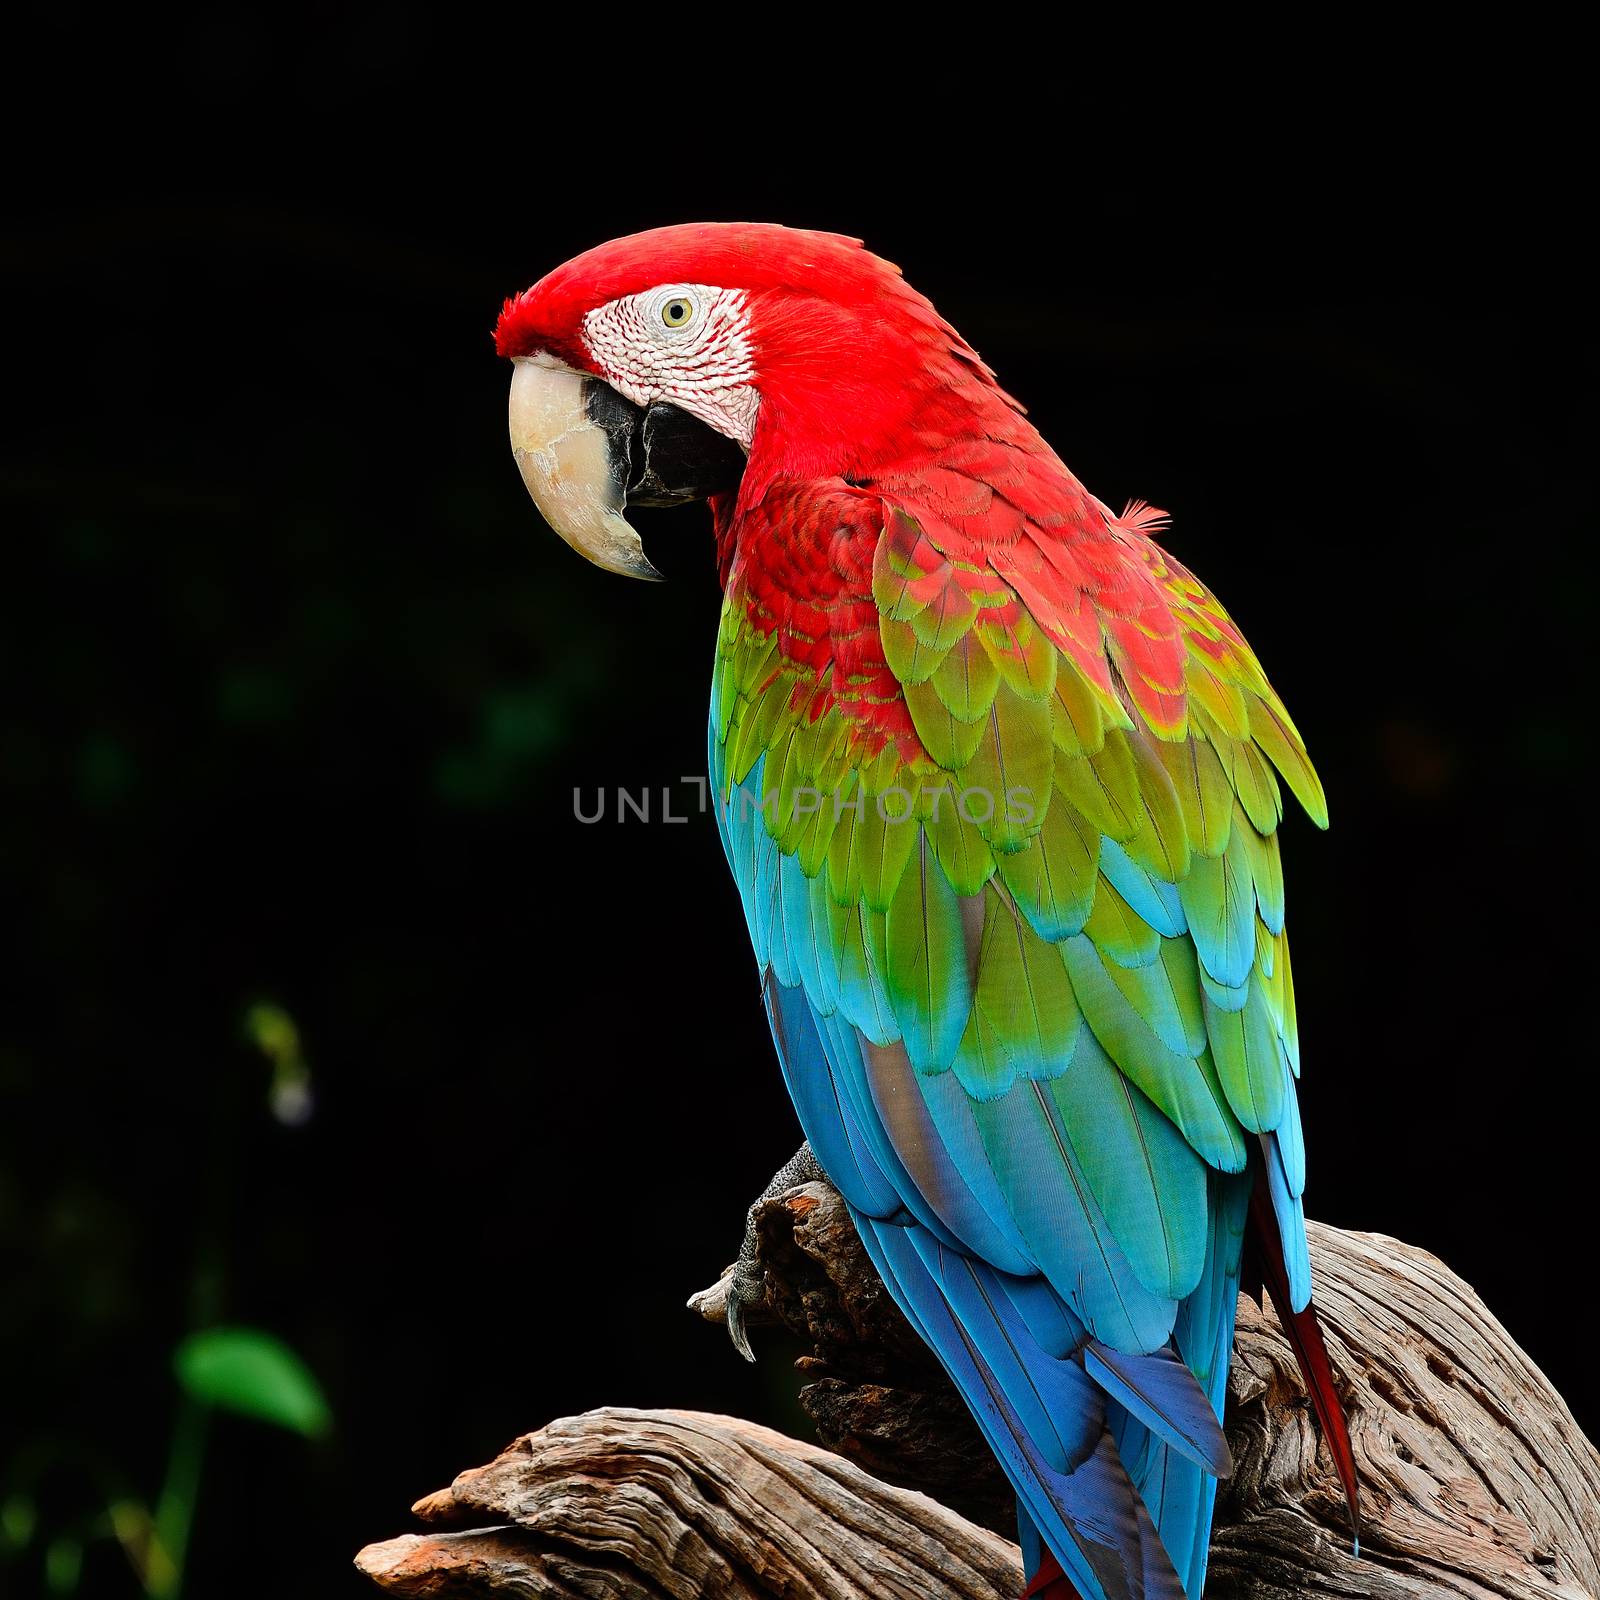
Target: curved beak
[(586, 453)]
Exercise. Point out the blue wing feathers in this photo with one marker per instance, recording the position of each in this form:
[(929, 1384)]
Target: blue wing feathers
[(929, 1122), (1157, 902), (1163, 1394), (1091, 1516), (1057, 1404), (1291, 1140), (1095, 1364), (1181, 1496), (827, 1123), (1057, 1214), (1291, 1217)]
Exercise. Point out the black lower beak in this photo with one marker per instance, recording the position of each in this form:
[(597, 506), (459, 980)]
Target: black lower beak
[(660, 455), (585, 452)]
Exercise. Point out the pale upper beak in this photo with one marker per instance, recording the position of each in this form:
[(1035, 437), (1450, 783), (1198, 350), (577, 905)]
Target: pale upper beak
[(585, 453), (566, 463)]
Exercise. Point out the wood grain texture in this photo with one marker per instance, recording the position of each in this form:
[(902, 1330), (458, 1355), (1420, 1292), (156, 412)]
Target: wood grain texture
[(680, 1504), (1475, 1479)]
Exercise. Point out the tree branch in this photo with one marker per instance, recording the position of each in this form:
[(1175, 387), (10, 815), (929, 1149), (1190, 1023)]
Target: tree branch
[(1475, 1479)]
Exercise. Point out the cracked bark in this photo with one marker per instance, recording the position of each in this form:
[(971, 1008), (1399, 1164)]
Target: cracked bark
[(1475, 1479)]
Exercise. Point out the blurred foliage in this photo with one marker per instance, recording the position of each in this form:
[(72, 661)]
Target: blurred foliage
[(271, 1029), (251, 1372), (86, 1484)]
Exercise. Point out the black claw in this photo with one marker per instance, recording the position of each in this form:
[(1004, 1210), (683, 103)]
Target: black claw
[(747, 1284), (736, 1328)]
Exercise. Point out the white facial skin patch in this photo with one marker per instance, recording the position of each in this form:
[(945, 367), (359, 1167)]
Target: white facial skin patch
[(684, 343)]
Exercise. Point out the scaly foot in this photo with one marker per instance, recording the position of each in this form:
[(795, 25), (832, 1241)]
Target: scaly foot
[(743, 1285)]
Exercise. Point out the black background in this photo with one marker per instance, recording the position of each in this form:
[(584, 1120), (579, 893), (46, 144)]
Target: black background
[(299, 689)]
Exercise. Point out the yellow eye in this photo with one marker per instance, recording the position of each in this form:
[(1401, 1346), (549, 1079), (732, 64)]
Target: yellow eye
[(677, 312)]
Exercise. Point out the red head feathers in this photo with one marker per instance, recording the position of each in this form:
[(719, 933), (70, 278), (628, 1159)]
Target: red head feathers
[(732, 255), (848, 360)]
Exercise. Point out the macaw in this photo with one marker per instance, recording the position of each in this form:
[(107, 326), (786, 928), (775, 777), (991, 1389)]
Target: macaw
[(999, 781)]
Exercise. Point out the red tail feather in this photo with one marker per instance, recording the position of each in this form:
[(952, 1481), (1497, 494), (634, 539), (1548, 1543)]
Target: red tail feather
[(1050, 1582), (1306, 1337)]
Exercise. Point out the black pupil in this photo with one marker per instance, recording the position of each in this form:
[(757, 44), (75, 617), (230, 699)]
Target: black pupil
[(677, 311)]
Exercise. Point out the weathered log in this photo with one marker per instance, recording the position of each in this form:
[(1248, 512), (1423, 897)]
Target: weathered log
[(676, 1503), (1475, 1479)]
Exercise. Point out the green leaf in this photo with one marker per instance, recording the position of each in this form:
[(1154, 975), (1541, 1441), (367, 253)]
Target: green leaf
[(249, 1371)]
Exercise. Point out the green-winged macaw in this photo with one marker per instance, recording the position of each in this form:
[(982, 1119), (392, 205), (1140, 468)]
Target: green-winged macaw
[(999, 782)]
